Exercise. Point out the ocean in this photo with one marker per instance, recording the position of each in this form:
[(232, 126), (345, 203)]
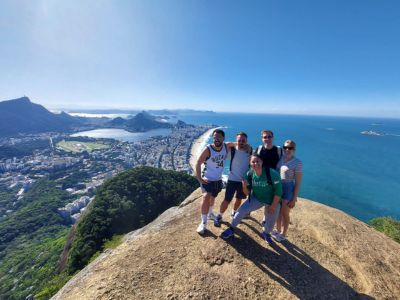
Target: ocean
[(343, 168)]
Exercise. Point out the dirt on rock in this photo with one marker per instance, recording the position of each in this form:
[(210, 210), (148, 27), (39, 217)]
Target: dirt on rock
[(328, 255)]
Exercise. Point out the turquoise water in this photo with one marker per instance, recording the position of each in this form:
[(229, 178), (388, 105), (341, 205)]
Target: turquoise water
[(123, 135), (343, 168)]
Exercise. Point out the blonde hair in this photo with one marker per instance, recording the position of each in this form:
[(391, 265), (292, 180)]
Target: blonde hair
[(291, 143)]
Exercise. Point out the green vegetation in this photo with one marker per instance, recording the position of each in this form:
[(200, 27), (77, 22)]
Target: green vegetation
[(79, 146), (124, 203), (388, 226), (31, 241), (24, 148), (7, 199), (33, 237)]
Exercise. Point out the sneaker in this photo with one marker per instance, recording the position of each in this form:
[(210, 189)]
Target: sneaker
[(212, 216), (280, 237), (217, 221), (267, 237), (227, 233), (202, 228), (247, 216), (275, 233)]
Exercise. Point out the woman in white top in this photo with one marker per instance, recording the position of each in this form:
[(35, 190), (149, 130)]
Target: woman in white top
[(291, 170)]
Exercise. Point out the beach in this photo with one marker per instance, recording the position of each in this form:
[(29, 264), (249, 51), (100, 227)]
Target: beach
[(197, 146)]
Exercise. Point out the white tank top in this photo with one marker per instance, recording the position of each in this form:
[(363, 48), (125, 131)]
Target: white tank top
[(214, 165)]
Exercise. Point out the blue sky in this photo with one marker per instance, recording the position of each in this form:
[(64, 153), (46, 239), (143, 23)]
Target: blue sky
[(301, 57)]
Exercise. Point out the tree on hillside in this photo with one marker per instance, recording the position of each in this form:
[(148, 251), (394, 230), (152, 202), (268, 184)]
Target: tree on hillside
[(124, 203)]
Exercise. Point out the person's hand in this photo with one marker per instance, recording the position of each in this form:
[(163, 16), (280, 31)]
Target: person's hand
[(244, 182), (292, 203), (271, 209), (203, 180)]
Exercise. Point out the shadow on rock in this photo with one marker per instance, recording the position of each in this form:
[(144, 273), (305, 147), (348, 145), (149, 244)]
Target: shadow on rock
[(293, 269)]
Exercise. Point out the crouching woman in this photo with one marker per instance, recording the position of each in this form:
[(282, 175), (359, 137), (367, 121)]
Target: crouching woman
[(265, 189)]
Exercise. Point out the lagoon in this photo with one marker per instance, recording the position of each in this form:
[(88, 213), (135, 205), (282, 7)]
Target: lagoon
[(123, 135)]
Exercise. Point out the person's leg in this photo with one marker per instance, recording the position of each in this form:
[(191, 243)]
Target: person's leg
[(279, 222), (211, 207), (236, 205), (247, 207), (270, 219), (204, 211), (229, 192), (285, 212)]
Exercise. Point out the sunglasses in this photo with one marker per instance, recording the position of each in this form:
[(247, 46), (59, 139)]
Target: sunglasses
[(267, 137), (288, 148)]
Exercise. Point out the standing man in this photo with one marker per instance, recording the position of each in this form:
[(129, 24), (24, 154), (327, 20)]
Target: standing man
[(240, 160), (209, 168), (269, 153)]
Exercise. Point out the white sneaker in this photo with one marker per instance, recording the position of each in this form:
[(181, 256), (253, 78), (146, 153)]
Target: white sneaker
[(201, 228), (279, 237), (275, 232), (212, 216)]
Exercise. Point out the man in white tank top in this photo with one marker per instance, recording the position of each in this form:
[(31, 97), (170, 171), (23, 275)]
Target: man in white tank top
[(240, 158), (209, 168)]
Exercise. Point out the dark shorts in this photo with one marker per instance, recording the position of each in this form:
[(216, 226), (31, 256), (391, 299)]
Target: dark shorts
[(212, 187), (231, 188)]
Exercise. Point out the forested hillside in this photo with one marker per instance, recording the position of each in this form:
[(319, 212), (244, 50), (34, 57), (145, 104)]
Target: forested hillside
[(31, 241), (127, 202)]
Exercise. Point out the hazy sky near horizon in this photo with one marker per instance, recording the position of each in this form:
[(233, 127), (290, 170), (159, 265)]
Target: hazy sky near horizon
[(303, 57)]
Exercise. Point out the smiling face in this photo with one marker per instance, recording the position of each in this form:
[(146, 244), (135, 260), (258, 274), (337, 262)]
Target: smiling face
[(241, 140), (267, 138), (218, 139), (289, 147), (255, 162)]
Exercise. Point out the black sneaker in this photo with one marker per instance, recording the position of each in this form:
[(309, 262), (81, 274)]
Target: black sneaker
[(217, 221)]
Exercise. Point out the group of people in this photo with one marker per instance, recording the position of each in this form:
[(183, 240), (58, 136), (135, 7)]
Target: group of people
[(269, 176)]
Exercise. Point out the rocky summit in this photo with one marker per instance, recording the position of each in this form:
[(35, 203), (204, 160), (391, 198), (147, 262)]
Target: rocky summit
[(328, 255)]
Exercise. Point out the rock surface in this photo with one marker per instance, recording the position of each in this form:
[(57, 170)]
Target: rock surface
[(329, 255)]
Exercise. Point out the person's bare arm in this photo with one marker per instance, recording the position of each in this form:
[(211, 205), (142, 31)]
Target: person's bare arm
[(245, 185), (202, 158), (296, 192), (230, 145)]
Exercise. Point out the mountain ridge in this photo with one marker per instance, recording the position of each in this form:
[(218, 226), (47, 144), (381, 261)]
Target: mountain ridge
[(329, 255), (23, 116)]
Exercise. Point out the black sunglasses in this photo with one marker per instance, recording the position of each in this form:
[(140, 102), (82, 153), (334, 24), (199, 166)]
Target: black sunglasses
[(288, 147)]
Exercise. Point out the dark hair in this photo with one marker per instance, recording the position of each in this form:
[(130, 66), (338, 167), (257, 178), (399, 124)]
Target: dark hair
[(241, 133), (255, 154), (267, 131), (220, 131)]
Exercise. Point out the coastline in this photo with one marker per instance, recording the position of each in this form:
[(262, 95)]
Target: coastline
[(196, 148)]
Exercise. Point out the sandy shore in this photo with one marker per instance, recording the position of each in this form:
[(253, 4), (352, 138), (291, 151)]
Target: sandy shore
[(197, 146)]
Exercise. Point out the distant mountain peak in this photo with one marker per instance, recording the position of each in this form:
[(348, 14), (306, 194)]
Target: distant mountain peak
[(23, 116)]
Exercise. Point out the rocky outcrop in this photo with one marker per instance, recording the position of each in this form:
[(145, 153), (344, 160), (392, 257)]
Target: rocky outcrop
[(329, 255)]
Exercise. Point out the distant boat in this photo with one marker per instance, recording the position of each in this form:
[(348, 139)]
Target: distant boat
[(371, 132)]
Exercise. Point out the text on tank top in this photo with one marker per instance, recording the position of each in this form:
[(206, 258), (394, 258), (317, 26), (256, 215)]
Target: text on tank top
[(214, 164)]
